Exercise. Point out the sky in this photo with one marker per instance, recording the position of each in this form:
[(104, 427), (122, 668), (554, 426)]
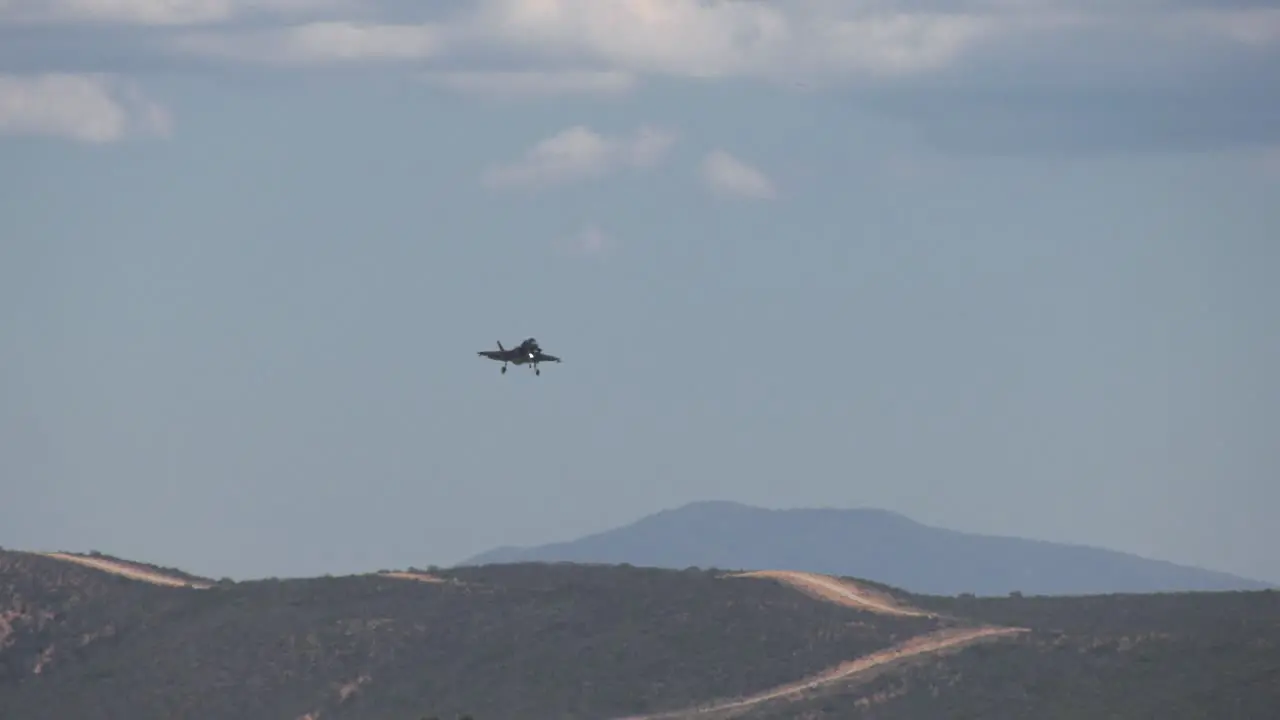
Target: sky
[(1001, 266)]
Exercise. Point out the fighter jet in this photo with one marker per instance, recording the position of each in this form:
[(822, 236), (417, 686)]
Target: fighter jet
[(528, 353)]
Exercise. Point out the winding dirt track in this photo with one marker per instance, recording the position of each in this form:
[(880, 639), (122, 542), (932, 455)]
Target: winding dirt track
[(418, 576), (134, 572), (934, 642), (841, 592), (848, 594), (822, 587), (126, 570)]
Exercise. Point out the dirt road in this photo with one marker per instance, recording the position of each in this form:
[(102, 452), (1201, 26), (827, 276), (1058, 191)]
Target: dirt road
[(825, 587), (848, 594), (419, 576), (127, 570), (934, 642)]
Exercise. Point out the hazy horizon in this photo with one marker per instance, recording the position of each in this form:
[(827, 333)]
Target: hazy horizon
[(1007, 270), (555, 540)]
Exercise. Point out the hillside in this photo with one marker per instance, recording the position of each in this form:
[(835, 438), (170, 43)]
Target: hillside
[(558, 641), (613, 642), (871, 544), (1185, 655)]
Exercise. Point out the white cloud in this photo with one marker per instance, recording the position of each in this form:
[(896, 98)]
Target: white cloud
[(841, 38), (610, 41), (727, 176), (520, 48), (530, 83), (590, 240), (682, 38), (580, 153), (87, 108), (154, 12), (320, 43), (673, 36), (1255, 27), (895, 44)]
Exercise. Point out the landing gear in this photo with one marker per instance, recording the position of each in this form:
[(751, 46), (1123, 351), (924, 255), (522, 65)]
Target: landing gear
[(536, 369)]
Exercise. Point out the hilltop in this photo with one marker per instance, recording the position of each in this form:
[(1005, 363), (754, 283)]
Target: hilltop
[(562, 641), (871, 543), (608, 643)]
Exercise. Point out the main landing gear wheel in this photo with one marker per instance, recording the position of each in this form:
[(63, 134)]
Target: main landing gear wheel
[(536, 371), (504, 369)]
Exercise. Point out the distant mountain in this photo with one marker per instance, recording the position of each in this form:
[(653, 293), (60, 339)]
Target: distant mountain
[(875, 544)]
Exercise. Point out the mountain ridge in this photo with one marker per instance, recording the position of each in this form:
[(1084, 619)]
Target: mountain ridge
[(600, 642), (869, 543), (77, 635)]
